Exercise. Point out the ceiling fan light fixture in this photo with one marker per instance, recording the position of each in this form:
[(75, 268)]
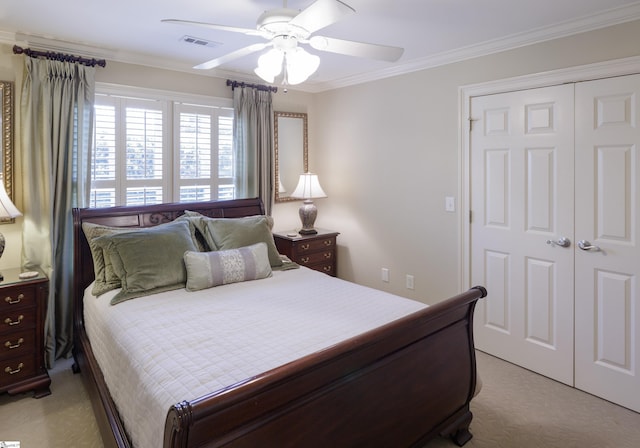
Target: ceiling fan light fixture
[(270, 65), (300, 65)]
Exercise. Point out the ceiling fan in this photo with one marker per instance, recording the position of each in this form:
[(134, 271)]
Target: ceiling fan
[(284, 29)]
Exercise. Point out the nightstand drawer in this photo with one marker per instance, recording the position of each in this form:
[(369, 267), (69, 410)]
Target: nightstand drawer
[(14, 298), (16, 369), (23, 307), (315, 258), (20, 319), (315, 245), (16, 344), (327, 268)]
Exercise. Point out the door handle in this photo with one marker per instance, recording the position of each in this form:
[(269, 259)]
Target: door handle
[(586, 245), (562, 242)]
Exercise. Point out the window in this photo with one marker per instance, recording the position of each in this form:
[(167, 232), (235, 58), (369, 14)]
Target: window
[(152, 147)]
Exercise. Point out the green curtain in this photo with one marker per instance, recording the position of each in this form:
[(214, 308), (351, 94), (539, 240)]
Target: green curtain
[(253, 144), (57, 125)]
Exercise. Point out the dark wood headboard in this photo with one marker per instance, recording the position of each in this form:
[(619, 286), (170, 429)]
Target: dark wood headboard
[(141, 216)]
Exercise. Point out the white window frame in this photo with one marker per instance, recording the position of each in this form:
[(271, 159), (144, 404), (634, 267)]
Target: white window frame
[(171, 103)]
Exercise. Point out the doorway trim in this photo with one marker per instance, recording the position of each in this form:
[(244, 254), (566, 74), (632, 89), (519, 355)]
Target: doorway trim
[(599, 70)]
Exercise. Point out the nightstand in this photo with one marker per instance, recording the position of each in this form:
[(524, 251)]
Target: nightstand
[(314, 251), (23, 305)]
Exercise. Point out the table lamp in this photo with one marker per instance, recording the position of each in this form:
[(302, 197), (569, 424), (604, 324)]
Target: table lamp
[(7, 211), (308, 189)]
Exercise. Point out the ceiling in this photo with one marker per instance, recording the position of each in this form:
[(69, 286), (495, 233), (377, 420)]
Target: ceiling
[(432, 32)]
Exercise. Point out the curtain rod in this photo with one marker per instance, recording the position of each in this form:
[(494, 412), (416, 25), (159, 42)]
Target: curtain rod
[(59, 56), (235, 84)]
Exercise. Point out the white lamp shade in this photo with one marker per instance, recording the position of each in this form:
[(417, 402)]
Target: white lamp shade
[(308, 187), (7, 209), (270, 65), (300, 65)]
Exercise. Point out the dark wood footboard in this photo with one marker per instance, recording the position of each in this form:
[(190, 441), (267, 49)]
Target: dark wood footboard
[(399, 385)]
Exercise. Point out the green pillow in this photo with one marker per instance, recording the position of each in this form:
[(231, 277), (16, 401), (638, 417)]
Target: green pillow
[(233, 233), (198, 229), (105, 278), (208, 269), (149, 260)]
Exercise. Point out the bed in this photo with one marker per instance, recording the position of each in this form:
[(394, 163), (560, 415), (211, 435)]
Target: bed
[(401, 382)]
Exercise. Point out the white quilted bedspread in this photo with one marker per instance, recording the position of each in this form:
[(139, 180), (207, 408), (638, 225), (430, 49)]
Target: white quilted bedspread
[(158, 350)]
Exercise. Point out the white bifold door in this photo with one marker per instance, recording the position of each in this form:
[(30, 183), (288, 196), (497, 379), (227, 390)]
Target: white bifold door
[(554, 232)]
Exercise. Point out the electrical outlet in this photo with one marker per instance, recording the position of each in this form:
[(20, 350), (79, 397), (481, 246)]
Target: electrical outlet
[(409, 281), (385, 275)]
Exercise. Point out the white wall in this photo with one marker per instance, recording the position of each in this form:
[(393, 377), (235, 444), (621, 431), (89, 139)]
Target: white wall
[(388, 153)]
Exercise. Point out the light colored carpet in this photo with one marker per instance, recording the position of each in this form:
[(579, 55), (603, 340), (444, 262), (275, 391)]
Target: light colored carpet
[(62, 419), (515, 409)]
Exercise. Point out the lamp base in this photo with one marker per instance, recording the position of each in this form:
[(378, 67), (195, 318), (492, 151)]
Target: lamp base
[(308, 213)]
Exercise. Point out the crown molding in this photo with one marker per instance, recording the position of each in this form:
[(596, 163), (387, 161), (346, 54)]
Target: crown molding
[(584, 24)]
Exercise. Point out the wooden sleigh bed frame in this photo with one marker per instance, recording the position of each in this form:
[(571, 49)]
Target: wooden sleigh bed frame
[(398, 385)]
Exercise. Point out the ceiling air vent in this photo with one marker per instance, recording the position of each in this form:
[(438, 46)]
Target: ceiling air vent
[(199, 41)]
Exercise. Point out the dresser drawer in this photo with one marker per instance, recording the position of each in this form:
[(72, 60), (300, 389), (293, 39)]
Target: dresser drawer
[(17, 297), (17, 320), (305, 247), (15, 369), (16, 344)]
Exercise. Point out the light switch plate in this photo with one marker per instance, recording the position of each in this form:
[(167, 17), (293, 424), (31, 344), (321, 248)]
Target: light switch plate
[(450, 204)]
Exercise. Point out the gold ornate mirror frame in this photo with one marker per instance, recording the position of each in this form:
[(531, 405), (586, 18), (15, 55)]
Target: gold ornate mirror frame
[(291, 152), (6, 123)]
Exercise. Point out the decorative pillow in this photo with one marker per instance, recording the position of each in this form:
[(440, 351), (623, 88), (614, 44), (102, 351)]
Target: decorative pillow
[(233, 233), (149, 260), (208, 269), (105, 278), (198, 229), (198, 221)]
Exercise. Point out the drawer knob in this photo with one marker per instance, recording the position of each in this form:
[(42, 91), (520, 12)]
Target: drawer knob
[(11, 371), (11, 301), (327, 268), (328, 243), (327, 255), (305, 246), (11, 346), (305, 260), (10, 322)]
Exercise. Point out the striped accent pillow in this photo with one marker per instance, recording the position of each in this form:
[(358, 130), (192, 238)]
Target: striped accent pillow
[(208, 269)]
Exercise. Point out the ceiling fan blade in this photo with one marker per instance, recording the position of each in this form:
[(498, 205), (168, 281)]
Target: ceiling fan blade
[(213, 26), (231, 56), (360, 49), (320, 14)]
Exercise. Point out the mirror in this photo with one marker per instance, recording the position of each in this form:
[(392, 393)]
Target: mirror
[(291, 156), (6, 124)]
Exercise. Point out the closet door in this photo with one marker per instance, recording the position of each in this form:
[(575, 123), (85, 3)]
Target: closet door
[(607, 263), (522, 208)]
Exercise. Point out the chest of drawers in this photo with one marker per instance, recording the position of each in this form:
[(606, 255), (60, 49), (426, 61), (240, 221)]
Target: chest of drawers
[(22, 315), (317, 251)]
